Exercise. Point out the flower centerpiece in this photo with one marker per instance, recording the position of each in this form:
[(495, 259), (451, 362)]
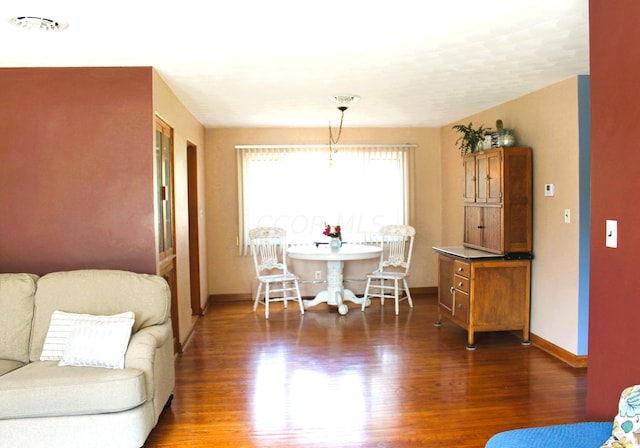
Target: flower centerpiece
[(335, 234), (332, 231)]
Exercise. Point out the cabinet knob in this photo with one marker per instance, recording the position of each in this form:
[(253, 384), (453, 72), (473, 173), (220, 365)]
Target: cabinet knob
[(460, 284), (480, 227), (459, 269), (452, 290), (459, 305)]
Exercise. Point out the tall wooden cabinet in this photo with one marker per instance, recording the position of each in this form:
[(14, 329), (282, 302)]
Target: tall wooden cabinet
[(498, 200), (485, 284)]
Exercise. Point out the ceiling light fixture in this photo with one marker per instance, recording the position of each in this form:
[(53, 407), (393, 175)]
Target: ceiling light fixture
[(343, 101), (38, 23)]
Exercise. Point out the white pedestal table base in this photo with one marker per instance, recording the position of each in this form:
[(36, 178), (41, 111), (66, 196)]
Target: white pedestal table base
[(335, 294)]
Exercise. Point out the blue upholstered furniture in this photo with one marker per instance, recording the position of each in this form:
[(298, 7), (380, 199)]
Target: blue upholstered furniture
[(624, 432), (578, 435)]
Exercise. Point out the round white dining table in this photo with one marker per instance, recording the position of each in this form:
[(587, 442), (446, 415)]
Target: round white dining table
[(335, 294)]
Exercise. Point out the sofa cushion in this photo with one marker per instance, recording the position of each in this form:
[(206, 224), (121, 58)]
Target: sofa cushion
[(44, 389), (7, 365), (103, 292), (16, 313)]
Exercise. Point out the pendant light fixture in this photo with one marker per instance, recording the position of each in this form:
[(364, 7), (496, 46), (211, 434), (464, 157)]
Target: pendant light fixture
[(344, 101), (38, 23)]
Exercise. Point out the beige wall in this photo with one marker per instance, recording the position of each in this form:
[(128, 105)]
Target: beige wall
[(546, 120), (186, 129), (230, 273)]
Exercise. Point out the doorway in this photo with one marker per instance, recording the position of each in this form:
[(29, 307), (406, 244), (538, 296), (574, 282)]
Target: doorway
[(194, 228)]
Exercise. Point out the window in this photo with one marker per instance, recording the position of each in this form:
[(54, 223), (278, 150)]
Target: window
[(302, 188)]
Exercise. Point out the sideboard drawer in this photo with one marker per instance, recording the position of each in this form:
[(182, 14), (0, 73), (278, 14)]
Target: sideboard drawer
[(460, 268), (461, 307), (461, 283)]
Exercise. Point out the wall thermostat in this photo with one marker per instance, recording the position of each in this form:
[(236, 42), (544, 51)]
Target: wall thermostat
[(549, 189)]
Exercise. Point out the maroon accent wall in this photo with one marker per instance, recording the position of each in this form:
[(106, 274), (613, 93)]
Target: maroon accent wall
[(76, 169), (614, 324)]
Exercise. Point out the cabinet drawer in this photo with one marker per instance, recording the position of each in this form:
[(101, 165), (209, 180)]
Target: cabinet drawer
[(461, 307), (461, 268), (461, 283)]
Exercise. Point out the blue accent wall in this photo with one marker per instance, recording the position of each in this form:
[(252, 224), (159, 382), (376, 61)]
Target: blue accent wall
[(584, 163)]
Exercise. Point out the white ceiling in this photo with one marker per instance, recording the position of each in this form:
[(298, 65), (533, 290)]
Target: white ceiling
[(271, 63)]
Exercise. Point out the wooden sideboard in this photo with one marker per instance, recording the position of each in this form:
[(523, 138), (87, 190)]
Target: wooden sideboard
[(480, 291)]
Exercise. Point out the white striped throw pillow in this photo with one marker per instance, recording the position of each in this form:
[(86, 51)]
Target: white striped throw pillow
[(62, 323)]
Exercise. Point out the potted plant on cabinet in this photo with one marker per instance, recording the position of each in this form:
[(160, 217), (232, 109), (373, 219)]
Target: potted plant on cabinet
[(470, 140)]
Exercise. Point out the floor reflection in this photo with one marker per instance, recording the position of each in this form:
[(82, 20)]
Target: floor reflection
[(305, 400), (336, 385)]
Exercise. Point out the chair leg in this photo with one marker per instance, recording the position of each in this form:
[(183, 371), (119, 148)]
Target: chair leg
[(266, 301), (406, 291), (284, 293), (295, 282), (397, 296), (257, 300), (382, 292), (366, 294)]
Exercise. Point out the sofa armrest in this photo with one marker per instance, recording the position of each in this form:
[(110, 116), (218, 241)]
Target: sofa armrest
[(151, 351)]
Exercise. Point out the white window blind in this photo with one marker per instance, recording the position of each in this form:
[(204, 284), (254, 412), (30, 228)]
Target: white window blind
[(301, 188)]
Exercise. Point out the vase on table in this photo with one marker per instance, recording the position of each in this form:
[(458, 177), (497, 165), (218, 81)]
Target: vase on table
[(335, 243)]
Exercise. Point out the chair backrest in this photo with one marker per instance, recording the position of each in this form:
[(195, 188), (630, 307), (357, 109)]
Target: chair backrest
[(269, 248), (397, 246)]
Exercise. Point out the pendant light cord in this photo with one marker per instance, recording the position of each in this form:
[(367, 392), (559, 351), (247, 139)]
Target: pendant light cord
[(331, 140)]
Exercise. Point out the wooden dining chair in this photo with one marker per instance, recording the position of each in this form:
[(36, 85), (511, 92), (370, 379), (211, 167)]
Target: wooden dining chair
[(269, 248), (389, 281)]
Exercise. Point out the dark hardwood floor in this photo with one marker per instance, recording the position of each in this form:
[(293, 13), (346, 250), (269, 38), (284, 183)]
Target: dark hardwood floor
[(362, 380)]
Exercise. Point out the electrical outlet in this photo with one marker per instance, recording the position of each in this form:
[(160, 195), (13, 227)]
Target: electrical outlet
[(549, 189), (567, 215), (318, 275)]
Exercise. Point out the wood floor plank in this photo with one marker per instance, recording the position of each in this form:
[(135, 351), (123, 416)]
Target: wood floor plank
[(362, 380)]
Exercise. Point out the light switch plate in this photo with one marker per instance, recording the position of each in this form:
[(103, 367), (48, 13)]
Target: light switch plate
[(611, 239)]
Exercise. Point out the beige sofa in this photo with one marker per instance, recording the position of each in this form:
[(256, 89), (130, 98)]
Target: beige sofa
[(44, 404)]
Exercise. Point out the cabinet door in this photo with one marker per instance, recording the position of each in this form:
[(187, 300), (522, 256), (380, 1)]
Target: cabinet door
[(469, 164), (473, 226), (483, 227), (461, 307), (502, 294), (445, 283), (493, 179), (481, 178), (165, 219), (492, 232)]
